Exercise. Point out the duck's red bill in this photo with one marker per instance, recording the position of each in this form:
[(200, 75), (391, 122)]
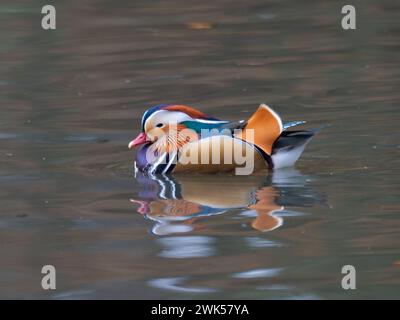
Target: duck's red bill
[(140, 139)]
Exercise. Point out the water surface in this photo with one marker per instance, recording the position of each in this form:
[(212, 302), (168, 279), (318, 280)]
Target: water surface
[(71, 100)]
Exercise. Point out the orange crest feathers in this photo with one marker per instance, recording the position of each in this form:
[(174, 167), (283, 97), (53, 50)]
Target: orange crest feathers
[(174, 138)]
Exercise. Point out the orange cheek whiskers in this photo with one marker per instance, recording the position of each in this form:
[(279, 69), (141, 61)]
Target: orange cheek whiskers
[(175, 138)]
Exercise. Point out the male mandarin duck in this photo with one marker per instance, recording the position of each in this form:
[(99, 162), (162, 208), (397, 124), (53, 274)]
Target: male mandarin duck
[(171, 134)]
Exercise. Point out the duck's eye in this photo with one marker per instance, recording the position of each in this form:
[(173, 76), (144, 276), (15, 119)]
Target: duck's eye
[(159, 125)]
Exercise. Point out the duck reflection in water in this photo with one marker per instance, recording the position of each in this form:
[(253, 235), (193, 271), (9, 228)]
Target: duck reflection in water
[(176, 203)]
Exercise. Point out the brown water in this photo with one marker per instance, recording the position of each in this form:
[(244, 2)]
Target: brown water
[(71, 100)]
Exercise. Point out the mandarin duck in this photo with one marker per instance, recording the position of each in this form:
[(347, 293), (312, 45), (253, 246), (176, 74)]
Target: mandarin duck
[(179, 138)]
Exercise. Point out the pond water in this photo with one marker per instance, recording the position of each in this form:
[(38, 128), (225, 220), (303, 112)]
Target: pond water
[(72, 99)]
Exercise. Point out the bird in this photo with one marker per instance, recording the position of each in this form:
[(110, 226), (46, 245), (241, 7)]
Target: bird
[(176, 138)]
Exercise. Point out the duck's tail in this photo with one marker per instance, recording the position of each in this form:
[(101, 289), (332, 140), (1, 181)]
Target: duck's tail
[(288, 148), (268, 134)]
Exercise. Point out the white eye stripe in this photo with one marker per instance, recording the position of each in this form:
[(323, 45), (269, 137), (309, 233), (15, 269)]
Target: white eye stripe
[(211, 121), (165, 117), (150, 117)]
